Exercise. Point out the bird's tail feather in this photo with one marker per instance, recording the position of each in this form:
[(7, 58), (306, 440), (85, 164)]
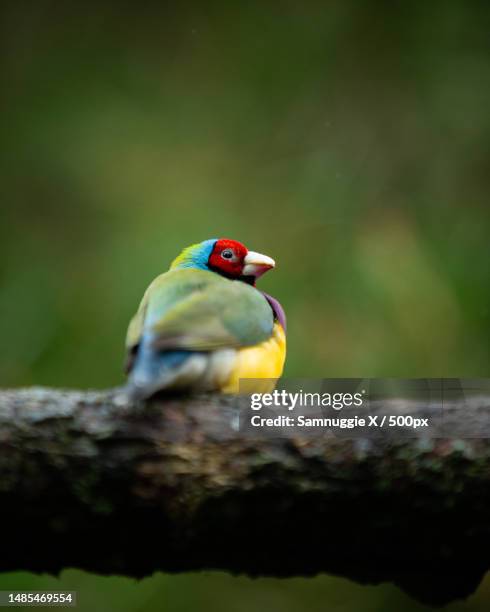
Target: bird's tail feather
[(154, 370)]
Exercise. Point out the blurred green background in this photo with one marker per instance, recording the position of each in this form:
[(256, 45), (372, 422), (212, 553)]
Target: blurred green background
[(349, 140)]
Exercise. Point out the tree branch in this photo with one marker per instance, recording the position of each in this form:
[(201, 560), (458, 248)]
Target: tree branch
[(88, 482)]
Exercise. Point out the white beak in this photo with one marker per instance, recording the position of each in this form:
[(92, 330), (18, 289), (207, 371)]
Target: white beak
[(256, 264)]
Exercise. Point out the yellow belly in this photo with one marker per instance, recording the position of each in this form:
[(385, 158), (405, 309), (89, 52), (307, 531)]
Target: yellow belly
[(264, 361)]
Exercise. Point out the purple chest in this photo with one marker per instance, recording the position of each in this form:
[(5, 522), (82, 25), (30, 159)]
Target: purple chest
[(277, 309)]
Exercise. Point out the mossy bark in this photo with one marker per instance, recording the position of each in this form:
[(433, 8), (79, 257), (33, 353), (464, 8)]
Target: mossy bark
[(88, 481)]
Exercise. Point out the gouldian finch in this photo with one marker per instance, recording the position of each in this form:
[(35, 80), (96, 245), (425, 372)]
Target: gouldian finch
[(204, 325)]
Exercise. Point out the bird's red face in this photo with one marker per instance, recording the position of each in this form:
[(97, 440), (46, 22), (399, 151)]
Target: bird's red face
[(233, 260)]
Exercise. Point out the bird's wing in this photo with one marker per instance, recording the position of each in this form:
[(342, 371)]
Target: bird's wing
[(135, 329), (201, 311)]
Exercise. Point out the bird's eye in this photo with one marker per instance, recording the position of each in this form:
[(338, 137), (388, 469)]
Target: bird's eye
[(227, 254)]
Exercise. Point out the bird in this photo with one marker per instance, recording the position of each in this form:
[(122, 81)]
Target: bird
[(203, 325)]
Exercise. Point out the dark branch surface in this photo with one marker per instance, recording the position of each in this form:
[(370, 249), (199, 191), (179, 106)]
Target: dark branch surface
[(89, 482)]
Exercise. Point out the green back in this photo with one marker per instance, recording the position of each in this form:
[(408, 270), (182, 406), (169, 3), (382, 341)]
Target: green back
[(200, 310)]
